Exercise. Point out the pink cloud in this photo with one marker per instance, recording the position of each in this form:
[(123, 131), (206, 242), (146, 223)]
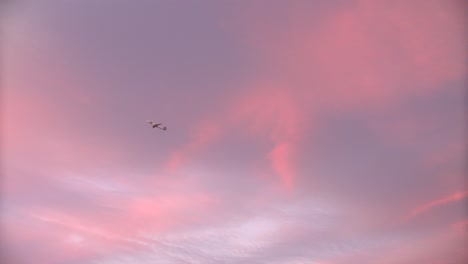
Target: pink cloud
[(455, 197), (65, 239), (269, 110), (281, 158), (262, 111), (170, 210), (381, 52), (204, 133), (366, 54), (41, 131), (360, 57), (461, 226), (90, 234)]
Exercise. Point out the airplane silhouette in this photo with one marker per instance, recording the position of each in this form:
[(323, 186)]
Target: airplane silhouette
[(154, 125)]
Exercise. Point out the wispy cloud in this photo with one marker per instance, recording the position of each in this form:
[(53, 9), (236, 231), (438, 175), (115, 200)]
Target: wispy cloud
[(303, 132)]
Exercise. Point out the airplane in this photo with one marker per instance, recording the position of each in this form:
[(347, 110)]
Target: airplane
[(154, 125)]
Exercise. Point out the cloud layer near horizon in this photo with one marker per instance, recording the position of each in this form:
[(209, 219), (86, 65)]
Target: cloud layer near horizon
[(304, 132)]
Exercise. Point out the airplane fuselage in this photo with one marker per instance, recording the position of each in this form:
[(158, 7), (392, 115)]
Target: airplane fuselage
[(153, 125)]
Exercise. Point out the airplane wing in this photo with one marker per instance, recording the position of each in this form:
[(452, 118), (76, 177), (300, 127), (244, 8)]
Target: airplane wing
[(155, 125)]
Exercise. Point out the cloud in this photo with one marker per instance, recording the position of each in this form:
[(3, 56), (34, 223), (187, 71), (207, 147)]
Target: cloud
[(444, 246), (362, 54), (204, 133), (335, 121), (281, 159), (455, 197)]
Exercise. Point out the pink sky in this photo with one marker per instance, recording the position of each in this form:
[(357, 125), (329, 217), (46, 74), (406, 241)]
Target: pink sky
[(312, 132)]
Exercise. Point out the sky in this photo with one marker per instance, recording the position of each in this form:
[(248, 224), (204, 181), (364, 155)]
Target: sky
[(298, 132)]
